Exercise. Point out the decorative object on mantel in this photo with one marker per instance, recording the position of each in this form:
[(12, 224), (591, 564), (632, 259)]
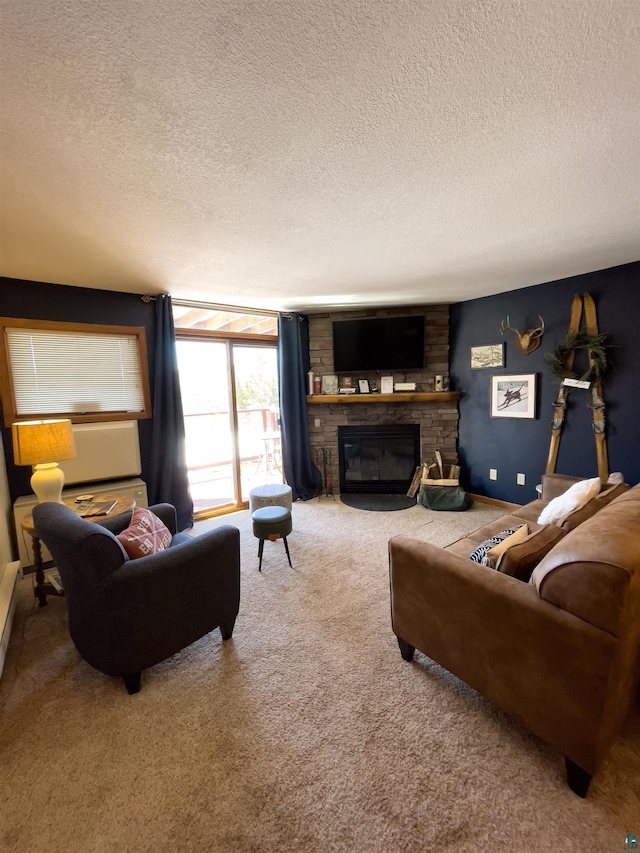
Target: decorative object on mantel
[(43, 444), (386, 384), (527, 340), (363, 386), (561, 364), (329, 383), (491, 355)]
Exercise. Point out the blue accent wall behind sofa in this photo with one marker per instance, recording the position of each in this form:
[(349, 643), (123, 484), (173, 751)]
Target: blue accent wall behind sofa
[(521, 446)]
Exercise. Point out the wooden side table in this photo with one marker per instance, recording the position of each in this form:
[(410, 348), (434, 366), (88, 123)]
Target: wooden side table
[(41, 589)]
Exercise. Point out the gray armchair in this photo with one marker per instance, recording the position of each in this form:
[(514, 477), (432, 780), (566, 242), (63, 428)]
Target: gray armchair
[(127, 615)]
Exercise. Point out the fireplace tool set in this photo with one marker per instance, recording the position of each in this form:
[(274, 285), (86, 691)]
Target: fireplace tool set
[(323, 462)]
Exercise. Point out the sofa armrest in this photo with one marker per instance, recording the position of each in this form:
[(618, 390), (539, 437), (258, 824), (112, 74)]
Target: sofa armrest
[(547, 668)]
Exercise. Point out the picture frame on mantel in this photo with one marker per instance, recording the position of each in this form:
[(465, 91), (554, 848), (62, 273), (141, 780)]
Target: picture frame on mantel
[(513, 396), (491, 355), (329, 383), (386, 384)]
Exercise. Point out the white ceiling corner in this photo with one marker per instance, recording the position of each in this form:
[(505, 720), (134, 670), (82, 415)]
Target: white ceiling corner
[(302, 155)]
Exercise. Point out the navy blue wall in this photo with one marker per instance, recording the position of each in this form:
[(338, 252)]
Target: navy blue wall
[(520, 445), (37, 301)]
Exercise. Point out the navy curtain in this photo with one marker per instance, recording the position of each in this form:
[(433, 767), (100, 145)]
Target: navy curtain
[(167, 479), (293, 363)]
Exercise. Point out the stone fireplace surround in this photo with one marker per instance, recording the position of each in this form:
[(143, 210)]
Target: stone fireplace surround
[(438, 419)]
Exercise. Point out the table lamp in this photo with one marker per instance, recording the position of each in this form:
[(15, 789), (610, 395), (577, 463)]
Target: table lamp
[(43, 444)]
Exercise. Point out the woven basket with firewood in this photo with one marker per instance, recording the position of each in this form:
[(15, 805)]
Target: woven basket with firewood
[(438, 484), (438, 473)]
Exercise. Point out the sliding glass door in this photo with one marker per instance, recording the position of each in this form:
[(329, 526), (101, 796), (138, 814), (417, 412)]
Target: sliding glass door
[(256, 391), (232, 424)]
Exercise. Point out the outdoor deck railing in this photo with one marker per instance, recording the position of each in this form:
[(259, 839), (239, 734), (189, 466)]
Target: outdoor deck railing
[(208, 443)]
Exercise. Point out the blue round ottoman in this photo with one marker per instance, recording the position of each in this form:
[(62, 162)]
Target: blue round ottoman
[(271, 522)]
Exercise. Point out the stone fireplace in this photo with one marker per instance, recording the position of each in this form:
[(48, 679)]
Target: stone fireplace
[(436, 415), (378, 459)]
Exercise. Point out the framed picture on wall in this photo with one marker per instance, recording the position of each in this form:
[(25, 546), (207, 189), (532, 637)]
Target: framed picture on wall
[(513, 396), (491, 355)]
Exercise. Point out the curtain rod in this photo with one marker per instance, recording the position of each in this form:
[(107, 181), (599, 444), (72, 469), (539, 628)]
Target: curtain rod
[(215, 306)]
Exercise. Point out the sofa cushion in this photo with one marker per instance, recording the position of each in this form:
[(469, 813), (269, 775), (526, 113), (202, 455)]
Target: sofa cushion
[(520, 560), (498, 526), (462, 547), (608, 494), (555, 484), (589, 571), (530, 512), (145, 535), (575, 497), (481, 553)]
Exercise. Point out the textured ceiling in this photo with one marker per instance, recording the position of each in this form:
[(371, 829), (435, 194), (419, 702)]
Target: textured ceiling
[(305, 153)]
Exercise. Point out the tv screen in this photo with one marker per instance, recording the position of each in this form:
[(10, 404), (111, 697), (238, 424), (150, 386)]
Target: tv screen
[(378, 343)]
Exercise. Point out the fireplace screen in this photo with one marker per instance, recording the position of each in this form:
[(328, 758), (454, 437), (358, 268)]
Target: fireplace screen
[(378, 458)]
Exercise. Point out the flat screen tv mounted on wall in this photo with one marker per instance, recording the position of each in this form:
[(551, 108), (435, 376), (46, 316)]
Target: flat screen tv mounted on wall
[(378, 343)]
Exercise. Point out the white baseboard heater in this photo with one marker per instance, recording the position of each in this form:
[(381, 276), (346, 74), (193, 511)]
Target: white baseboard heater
[(10, 574)]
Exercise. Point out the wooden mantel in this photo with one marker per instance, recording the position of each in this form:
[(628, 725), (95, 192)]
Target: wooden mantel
[(396, 397)]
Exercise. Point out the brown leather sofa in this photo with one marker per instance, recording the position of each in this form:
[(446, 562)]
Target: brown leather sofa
[(560, 653)]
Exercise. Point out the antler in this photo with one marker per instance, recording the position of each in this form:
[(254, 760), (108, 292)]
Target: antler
[(527, 340), (540, 328), (508, 328)]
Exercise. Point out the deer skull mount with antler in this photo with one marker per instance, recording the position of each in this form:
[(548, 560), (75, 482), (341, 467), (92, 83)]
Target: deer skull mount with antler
[(527, 340)]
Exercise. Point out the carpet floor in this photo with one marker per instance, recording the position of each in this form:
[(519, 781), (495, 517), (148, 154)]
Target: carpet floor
[(305, 732)]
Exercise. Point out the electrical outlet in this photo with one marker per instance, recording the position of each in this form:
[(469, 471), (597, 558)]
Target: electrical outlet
[(316, 422), (493, 473), (520, 479)]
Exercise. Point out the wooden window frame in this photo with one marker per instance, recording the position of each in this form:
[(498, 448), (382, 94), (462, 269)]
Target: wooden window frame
[(7, 390)]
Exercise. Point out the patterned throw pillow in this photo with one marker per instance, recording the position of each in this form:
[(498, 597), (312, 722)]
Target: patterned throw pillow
[(145, 535), (479, 555)]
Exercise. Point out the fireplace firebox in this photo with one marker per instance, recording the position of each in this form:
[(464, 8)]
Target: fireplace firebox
[(378, 458)]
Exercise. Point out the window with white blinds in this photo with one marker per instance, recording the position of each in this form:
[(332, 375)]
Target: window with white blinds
[(77, 373)]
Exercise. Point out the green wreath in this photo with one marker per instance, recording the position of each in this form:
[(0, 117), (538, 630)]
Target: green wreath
[(594, 344)]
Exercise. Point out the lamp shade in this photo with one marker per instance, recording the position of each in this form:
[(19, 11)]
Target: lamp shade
[(40, 442)]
